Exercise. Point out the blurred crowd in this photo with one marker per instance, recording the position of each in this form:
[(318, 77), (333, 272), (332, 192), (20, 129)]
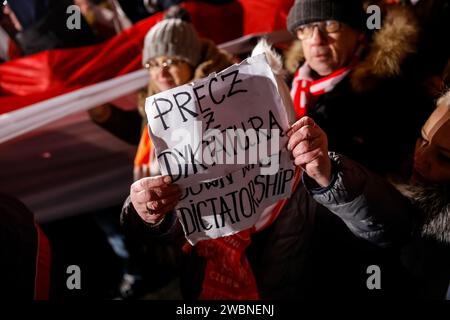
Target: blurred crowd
[(31, 26)]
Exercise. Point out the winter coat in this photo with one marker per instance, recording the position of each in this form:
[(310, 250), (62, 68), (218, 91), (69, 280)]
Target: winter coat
[(376, 99), (367, 203)]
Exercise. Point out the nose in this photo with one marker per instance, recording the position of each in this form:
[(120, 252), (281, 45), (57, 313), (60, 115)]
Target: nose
[(317, 37), (163, 70)]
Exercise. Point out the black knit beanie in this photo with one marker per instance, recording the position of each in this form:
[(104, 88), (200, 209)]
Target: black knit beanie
[(303, 12)]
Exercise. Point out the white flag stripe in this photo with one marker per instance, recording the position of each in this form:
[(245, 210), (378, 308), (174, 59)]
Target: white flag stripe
[(16, 123), (26, 119)]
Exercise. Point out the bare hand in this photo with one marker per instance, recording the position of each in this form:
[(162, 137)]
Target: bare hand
[(153, 197), (309, 146)]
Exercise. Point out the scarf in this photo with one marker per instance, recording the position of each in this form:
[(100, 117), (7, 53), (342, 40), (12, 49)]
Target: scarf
[(305, 90), (145, 162), (228, 273)]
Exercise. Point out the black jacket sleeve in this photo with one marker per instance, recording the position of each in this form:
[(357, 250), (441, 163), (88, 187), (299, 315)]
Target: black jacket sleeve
[(168, 230), (124, 124)]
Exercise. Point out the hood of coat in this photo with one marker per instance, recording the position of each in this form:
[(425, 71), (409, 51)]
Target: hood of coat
[(385, 54)]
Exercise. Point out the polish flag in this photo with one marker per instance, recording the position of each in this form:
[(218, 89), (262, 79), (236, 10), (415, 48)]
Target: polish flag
[(38, 89)]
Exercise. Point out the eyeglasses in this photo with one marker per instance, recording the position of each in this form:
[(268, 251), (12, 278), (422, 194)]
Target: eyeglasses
[(155, 65), (325, 27), (3, 4)]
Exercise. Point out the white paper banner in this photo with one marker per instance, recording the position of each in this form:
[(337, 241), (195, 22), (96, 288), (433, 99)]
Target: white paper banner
[(221, 138)]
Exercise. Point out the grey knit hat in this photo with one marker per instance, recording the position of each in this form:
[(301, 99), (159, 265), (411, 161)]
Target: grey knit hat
[(173, 37), (303, 12)]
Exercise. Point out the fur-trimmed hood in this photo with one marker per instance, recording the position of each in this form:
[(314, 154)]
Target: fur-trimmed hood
[(387, 51), (433, 202)]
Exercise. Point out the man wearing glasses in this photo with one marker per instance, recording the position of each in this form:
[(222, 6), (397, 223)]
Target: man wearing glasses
[(352, 81)]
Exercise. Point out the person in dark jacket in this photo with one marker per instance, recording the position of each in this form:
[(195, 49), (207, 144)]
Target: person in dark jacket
[(174, 55), (352, 81), (306, 253), (25, 253), (357, 196), (44, 26)]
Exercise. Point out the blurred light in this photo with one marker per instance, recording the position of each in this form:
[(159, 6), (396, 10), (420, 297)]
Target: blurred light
[(46, 155)]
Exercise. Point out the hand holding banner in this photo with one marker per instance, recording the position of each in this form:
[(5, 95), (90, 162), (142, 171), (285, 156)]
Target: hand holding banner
[(223, 140)]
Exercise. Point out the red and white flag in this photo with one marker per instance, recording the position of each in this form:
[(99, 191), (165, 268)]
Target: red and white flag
[(49, 85)]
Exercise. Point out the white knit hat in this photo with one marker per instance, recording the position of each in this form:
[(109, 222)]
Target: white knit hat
[(172, 37)]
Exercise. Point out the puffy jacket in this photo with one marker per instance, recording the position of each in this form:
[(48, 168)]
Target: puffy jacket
[(374, 210)]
